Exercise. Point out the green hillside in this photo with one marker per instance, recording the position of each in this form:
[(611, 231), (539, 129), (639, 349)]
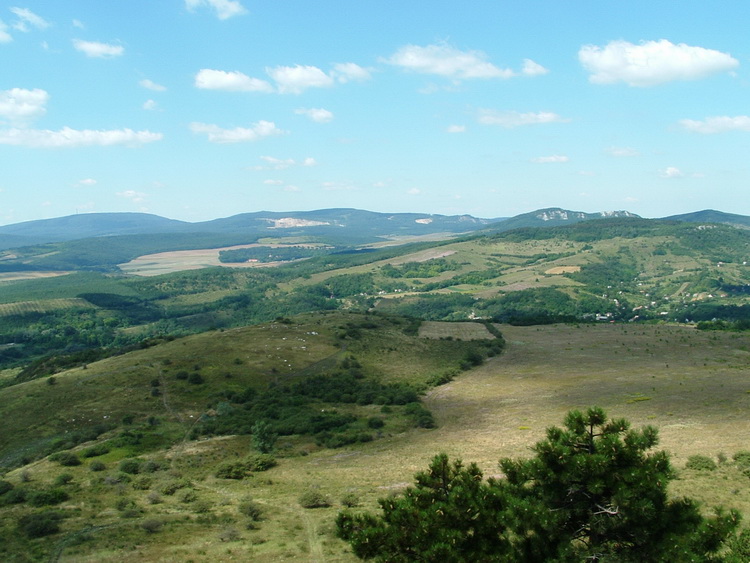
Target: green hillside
[(115, 465)]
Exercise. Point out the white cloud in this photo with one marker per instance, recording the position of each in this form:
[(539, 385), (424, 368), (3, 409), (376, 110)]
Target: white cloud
[(274, 182), (278, 163), (150, 105), (239, 134), (621, 152), (151, 85), (456, 129), (718, 124), (208, 79), (224, 9), (414, 191), (651, 62), (671, 172), (348, 72), (550, 159), (531, 68), (509, 119), (291, 188), (283, 163), (318, 115), (87, 182), (25, 18), (295, 79), (78, 24), (447, 61), (132, 195), (19, 105), (5, 37), (98, 50), (70, 138)]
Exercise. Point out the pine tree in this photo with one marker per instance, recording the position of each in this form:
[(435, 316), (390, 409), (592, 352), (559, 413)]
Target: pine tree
[(451, 515), (592, 492)]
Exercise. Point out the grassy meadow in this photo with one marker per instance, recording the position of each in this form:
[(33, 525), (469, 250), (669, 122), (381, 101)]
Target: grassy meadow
[(692, 385)]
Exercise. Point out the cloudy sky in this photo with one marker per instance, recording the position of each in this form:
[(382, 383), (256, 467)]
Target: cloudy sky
[(197, 109)]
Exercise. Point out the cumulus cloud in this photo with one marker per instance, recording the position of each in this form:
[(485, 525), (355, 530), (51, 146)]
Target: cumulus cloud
[(27, 18), (531, 68), (509, 119), (234, 81), (224, 9), (151, 85), (216, 134), (651, 62), (318, 115), (71, 138), (150, 105), (5, 37), (671, 172), (348, 72), (718, 124), (447, 61), (296, 79), (274, 182), (621, 152), (95, 49), (550, 159), (414, 191), (456, 129), (87, 182), (309, 161), (19, 105)]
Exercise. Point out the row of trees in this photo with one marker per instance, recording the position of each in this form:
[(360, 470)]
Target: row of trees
[(592, 492)]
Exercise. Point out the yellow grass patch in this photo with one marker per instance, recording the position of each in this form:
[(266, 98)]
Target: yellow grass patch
[(557, 270)]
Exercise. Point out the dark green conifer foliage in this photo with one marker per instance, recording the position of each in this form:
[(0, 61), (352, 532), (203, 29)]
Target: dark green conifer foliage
[(451, 515), (592, 492)]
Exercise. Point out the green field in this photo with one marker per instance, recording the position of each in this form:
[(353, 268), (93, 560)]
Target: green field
[(692, 385)]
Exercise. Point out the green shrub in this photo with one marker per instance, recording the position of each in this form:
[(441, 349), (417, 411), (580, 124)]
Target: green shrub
[(260, 462), (14, 496), (350, 499), (314, 498), (742, 458), (96, 450), (152, 525), (40, 524), (700, 463), (142, 483), (172, 487), (248, 507), (232, 470), (131, 466), (68, 459), (97, 466), (62, 479), (195, 378), (375, 422), (47, 497), (188, 496), (5, 486)]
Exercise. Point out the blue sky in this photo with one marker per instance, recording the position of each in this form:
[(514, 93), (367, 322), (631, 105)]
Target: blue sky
[(198, 109)]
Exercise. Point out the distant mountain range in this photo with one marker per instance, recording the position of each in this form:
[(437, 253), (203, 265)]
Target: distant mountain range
[(356, 226)]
